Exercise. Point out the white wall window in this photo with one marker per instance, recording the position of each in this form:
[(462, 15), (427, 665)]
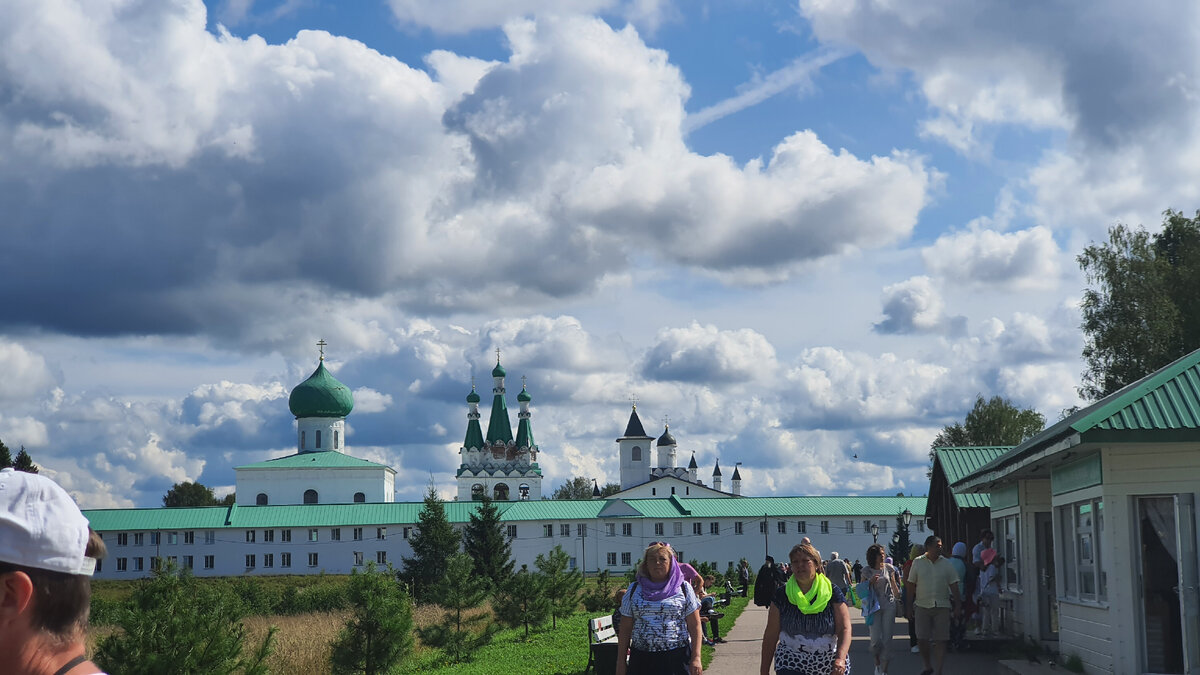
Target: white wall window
[(512, 531), (122, 564), (209, 562), (610, 529), (921, 525), (249, 536), (678, 529), (335, 534), (138, 538), (849, 527), (636, 454), (381, 533), (737, 527), (268, 536), (188, 562), (564, 530), (658, 529), (1081, 527), (155, 539), (581, 530), (781, 527), (547, 530), (268, 560), (189, 538), (697, 528), (626, 558), (139, 564), (335, 439), (801, 527), (358, 558), (714, 528), (866, 526), (122, 539), (285, 559), (883, 525), (312, 534), (312, 557), (610, 559), (317, 439), (250, 561), (626, 529), (172, 538), (285, 536), (824, 527), (210, 537), (358, 534), (381, 557)]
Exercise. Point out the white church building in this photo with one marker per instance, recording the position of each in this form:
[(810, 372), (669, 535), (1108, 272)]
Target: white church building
[(321, 510)]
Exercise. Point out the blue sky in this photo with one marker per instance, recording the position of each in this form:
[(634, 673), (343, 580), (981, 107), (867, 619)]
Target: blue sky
[(810, 233)]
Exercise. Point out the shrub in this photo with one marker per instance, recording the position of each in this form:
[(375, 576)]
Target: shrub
[(460, 632), (600, 595), (379, 634)]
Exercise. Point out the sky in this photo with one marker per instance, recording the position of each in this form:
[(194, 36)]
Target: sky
[(809, 234)]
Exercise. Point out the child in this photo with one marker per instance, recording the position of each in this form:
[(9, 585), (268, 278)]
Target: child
[(987, 592)]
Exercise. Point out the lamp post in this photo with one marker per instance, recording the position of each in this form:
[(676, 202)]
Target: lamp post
[(907, 516), (874, 533)]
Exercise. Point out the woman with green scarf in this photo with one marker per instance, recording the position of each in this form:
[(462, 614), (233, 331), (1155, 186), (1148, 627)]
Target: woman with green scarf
[(808, 624)]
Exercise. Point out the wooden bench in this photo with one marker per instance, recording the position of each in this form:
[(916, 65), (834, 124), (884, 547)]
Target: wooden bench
[(602, 646)]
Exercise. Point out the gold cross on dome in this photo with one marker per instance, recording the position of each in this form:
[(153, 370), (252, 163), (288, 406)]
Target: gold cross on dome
[(522, 381), (634, 398), (321, 345), (497, 356)]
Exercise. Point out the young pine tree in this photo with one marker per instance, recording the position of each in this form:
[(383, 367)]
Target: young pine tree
[(24, 462), (5, 456), (462, 630), (562, 585), (522, 601), (379, 634), (486, 542), (433, 543), (175, 624)]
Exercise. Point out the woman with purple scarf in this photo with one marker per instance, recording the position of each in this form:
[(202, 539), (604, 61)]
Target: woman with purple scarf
[(661, 624)]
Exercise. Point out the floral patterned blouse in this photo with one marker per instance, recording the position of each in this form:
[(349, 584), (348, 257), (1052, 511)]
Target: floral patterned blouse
[(659, 626)]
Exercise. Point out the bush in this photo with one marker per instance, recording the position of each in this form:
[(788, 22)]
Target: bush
[(105, 611), (600, 595), (379, 634), (1073, 663), (174, 624)]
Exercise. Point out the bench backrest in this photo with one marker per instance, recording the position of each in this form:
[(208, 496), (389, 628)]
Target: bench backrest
[(600, 629)]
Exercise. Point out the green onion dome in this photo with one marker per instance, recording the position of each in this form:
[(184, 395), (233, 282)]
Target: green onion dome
[(321, 395), (472, 397), (524, 396), (499, 371)]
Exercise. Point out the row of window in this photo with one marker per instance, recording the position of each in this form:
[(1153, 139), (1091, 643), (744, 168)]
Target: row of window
[(610, 529), (310, 497), (139, 538), (156, 562), (335, 534), (1079, 528), (317, 439)]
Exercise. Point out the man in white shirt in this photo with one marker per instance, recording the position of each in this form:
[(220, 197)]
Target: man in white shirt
[(932, 589)]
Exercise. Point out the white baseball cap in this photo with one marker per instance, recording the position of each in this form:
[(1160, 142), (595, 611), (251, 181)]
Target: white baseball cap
[(40, 525)]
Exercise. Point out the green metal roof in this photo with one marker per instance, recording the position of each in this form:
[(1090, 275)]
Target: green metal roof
[(525, 434), (1164, 406), (474, 437), (337, 515), (321, 395), (329, 459), (959, 462), (499, 427)]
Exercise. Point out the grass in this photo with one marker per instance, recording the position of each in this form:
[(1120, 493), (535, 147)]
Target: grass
[(302, 643)]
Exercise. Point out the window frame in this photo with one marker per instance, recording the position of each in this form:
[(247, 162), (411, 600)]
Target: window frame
[(1073, 564)]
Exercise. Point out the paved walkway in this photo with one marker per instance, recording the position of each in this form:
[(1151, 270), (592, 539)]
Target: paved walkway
[(742, 652)]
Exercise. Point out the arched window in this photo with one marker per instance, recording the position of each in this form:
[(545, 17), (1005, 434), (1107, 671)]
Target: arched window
[(477, 492), (317, 440), (500, 492), (524, 491), (302, 440), (335, 439), (261, 499), (310, 496), (359, 498), (637, 450)]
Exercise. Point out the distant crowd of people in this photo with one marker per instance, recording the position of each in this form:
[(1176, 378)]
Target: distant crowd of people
[(665, 615)]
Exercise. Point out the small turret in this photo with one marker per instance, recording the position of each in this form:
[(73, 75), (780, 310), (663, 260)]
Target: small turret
[(737, 481), (474, 439), (524, 426), (595, 489), (693, 470), (499, 427), (666, 449), (634, 448), (716, 477)]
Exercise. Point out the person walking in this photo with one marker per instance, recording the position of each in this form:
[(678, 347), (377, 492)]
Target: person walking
[(766, 583), (744, 576), (932, 591), (660, 624), (857, 570), (838, 571), (880, 577), (47, 556), (808, 624), (914, 552)]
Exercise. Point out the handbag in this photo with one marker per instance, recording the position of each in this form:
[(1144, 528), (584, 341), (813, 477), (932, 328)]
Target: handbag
[(852, 596)]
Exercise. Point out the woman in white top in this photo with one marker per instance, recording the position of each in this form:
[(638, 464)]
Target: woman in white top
[(661, 619), (881, 577)]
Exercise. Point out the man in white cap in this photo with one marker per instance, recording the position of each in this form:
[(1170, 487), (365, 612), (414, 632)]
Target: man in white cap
[(47, 556)]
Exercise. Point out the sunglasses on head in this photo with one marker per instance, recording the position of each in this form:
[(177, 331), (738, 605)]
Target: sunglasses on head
[(660, 543)]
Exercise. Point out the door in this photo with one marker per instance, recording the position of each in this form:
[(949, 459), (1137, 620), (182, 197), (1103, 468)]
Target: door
[(1047, 588), (1159, 603)]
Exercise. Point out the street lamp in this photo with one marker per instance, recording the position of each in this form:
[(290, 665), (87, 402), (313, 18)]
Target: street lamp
[(874, 533), (907, 516)]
